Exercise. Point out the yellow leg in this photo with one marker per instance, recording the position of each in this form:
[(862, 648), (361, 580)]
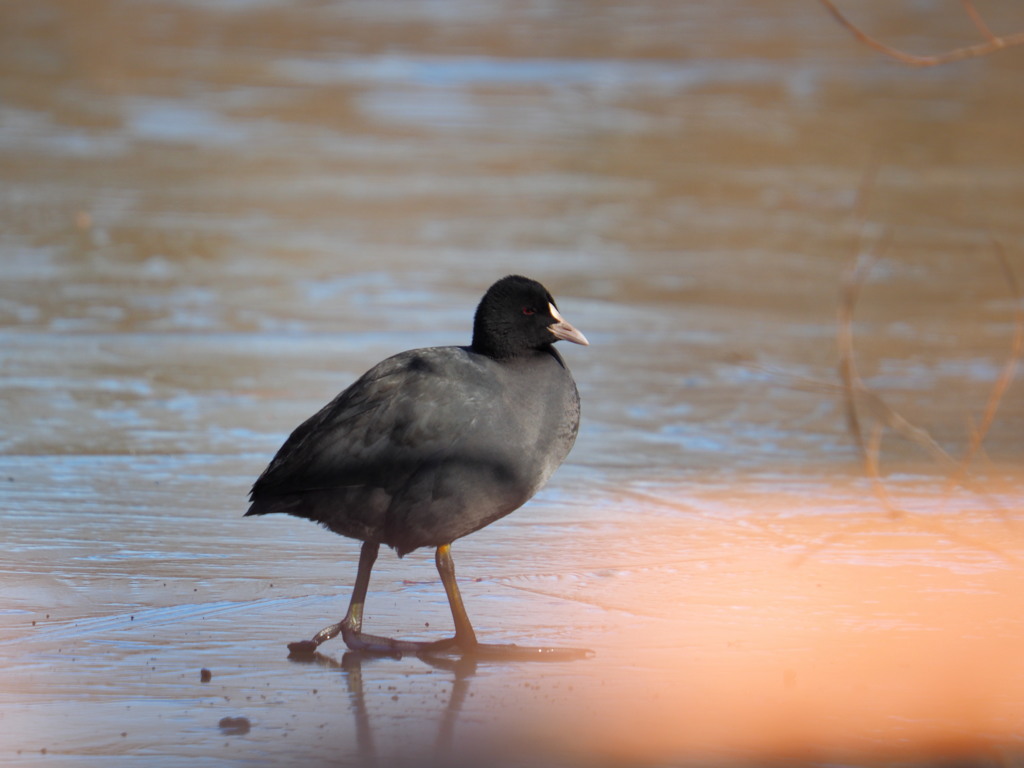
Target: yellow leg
[(465, 637), (352, 624), (350, 628)]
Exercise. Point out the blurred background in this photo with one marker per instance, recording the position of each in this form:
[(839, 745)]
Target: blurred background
[(215, 215)]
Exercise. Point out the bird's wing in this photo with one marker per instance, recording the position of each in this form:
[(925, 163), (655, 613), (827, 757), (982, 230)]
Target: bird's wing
[(397, 417)]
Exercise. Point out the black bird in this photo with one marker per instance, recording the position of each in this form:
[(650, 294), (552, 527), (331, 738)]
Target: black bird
[(433, 444)]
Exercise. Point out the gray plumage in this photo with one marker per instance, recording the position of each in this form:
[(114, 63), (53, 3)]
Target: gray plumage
[(433, 444)]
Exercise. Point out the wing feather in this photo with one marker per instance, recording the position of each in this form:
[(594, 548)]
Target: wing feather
[(379, 432)]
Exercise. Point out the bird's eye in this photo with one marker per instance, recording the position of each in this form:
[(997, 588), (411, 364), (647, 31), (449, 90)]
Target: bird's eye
[(529, 311)]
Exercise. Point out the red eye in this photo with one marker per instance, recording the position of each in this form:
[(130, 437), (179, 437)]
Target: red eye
[(529, 311)]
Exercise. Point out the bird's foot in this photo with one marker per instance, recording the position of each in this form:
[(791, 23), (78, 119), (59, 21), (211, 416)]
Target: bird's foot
[(512, 652), (466, 647), (306, 648), (362, 641)]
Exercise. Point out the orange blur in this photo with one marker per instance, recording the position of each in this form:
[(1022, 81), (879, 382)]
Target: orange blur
[(809, 638)]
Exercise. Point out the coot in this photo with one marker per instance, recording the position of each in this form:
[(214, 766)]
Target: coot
[(433, 444)]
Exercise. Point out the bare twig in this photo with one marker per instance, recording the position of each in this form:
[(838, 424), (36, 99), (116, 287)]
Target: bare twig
[(992, 42), (871, 452), (1005, 377), (851, 381), (857, 396), (980, 23), (860, 400)]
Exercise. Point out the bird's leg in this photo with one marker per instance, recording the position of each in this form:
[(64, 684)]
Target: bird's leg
[(465, 637), (352, 624), (351, 627), (353, 621)]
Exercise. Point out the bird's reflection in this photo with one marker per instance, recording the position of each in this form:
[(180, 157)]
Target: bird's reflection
[(461, 668)]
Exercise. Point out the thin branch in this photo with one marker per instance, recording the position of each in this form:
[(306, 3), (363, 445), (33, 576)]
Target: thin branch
[(977, 20), (1005, 377), (992, 43), (871, 452), (857, 396), (851, 381)]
